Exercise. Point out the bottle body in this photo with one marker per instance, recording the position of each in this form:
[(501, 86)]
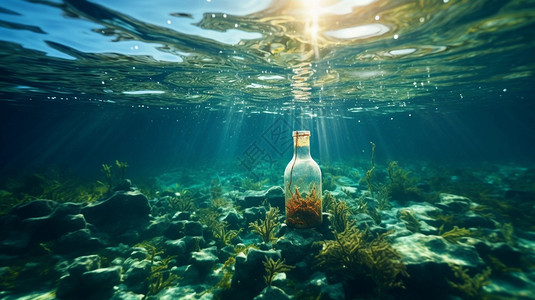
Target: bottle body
[(302, 186)]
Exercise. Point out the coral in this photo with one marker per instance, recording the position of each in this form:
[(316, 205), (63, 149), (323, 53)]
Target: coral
[(469, 287), (354, 254), (411, 222), (266, 228), (303, 212), (273, 267)]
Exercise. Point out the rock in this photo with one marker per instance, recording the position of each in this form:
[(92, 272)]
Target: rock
[(181, 215), (193, 228), (272, 293), (119, 213), (177, 248), (84, 264), (31, 223), (204, 260), (175, 230), (297, 244), (136, 276), (319, 285), (183, 292), (453, 204), (95, 284), (102, 279), (234, 220), (120, 295), (248, 280), (252, 214), (274, 196), (34, 209), (179, 229), (125, 185), (427, 259), (183, 247), (79, 240), (53, 226)]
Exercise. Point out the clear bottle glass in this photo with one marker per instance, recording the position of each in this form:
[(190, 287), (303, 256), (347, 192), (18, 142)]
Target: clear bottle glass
[(302, 185)]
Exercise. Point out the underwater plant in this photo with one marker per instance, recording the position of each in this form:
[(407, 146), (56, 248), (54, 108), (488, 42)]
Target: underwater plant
[(411, 222), (182, 201), (339, 216), (159, 277), (223, 235), (353, 253), (470, 287), (455, 234), (304, 212), (249, 184), (266, 228), (273, 267), (216, 191), (369, 173), (106, 170), (328, 201), (122, 166)]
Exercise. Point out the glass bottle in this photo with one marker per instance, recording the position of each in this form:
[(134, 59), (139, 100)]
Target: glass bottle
[(302, 185)]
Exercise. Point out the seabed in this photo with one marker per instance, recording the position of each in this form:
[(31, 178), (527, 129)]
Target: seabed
[(398, 231)]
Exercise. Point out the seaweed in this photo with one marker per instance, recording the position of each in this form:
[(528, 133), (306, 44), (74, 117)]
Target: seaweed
[(122, 166), (108, 178), (273, 267), (339, 216), (303, 212), (355, 255), (411, 222), (369, 173), (328, 201), (401, 187), (454, 235), (470, 287), (223, 235), (249, 184), (160, 276), (182, 201), (266, 228), (216, 191), (228, 271)]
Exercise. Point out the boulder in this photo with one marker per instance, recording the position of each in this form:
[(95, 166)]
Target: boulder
[(273, 196), (122, 211), (248, 278), (272, 293)]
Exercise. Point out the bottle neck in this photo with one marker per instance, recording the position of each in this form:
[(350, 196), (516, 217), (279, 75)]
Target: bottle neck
[(302, 152)]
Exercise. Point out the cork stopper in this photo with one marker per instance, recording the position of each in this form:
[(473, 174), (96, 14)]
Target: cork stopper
[(301, 138)]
